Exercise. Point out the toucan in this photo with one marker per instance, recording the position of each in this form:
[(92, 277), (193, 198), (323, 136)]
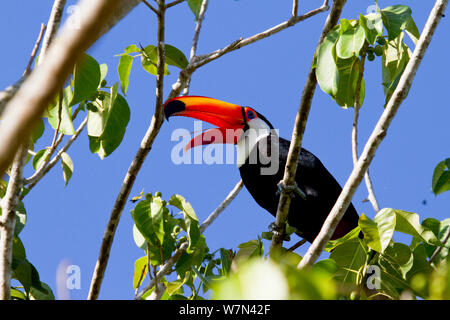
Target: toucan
[(261, 159)]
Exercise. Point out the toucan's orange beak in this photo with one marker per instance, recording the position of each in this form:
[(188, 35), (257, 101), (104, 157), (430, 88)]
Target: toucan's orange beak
[(228, 118)]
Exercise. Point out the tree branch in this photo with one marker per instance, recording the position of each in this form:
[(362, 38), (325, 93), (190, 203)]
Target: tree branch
[(167, 267), (34, 51), (136, 164), (297, 133), (356, 107), (376, 137), (198, 27), (150, 6), (44, 169), (174, 3), (26, 107), (8, 221), (53, 25)]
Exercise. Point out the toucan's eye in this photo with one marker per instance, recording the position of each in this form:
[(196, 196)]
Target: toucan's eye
[(250, 115)]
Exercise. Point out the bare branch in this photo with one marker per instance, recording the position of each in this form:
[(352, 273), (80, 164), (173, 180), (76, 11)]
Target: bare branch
[(35, 49), (357, 105), (298, 131), (8, 221), (167, 267), (44, 169), (230, 197), (439, 249), (135, 166), (150, 6), (295, 8), (198, 27), (53, 25), (174, 3), (204, 59), (376, 137)]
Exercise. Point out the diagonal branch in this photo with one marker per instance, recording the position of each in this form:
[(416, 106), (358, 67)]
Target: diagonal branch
[(167, 267), (45, 168), (298, 131), (136, 164), (376, 137), (198, 27), (356, 107), (53, 25), (26, 107)]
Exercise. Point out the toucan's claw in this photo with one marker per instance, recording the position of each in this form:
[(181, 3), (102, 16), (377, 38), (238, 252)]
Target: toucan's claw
[(275, 229), (291, 190)]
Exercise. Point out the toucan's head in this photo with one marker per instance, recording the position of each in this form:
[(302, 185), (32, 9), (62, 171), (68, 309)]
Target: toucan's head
[(231, 120)]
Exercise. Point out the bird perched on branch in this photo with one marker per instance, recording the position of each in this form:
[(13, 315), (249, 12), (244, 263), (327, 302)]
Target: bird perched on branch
[(261, 159)]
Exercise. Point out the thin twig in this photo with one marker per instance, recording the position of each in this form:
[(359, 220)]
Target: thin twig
[(297, 134), (376, 137), (35, 50), (439, 249), (39, 174), (198, 27), (204, 59), (356, 107), (295, 8), (53, 25), (201, 60), (230, 197), (150, 6), (167, 267), (297, 245), (174, 3)]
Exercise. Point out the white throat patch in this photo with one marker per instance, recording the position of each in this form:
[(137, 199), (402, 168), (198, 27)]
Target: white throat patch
[(258, 129)]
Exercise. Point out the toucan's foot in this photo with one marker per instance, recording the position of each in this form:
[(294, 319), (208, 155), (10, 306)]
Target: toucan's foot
[(291, 190)]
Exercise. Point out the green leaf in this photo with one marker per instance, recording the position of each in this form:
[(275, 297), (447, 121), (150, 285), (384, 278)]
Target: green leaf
[(195, 6), (175, 57), (408, 222), (412, 30), (226, 257), (157, 211), (350, 257), (140, 271), (67, 166), (124, 69), (52, 113), (349, 71), (249, 249), (350, 41), (139, 238), (400, 256), (149, 60), (372, 25), (396, 56), (18, 248), (441, 177), (38, 131), (39, 158), (40, 294), (190, 218), (21, 218), (142, 217), (349, 236), (103, 73), (86, 79), (395, 19), (440, 229), (107, 123), (326, 68), (378, 232)]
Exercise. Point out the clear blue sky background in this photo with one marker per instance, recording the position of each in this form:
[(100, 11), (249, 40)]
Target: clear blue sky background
[(67, 223)]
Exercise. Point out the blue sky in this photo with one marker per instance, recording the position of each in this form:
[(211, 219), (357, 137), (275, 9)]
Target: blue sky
[(67, 223)]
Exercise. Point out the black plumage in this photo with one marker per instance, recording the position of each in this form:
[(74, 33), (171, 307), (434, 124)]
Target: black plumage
[(320, 187)]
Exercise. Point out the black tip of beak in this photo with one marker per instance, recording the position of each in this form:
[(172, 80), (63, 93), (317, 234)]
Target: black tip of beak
[(173, 107)]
